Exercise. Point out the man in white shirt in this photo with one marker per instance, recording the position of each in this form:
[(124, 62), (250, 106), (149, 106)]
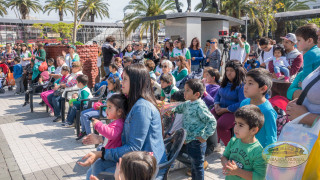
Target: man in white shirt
[(237, 47), (267, 52)]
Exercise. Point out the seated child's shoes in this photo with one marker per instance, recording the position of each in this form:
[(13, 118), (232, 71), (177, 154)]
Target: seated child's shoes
[(286, 79)]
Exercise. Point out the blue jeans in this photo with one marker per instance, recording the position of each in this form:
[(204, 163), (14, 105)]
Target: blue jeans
[(196, 152), (282, 69), (101, 166), (84, 119), (72, 113), (55, 102), (106, 69), (195, 67)]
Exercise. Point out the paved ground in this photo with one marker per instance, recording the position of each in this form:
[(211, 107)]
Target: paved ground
[(33, 147)]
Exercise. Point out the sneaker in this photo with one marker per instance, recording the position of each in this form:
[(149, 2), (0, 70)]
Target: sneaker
[(69, 125), (58, 119), (42, 103), (286, 79), (81, 135), (51, 114), (25, 103)]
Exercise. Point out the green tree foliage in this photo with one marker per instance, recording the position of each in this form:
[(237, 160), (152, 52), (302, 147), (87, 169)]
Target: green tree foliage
[(62, 6), (25, 6)]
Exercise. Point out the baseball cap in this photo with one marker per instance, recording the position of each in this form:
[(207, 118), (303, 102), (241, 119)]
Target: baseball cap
[(73, 47), (291, 37)]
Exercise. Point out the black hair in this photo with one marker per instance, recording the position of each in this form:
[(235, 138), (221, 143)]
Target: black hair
[(110, 39), (308, 31), (178, 96), (121, 103), (65, 68), (116, 82), (252, 115), (262, 77), (264, 41), (140, 85), (17, 59), (240, 74), (243, 36), (196, 86), (114, 66), (50, 60), (280, 48), (208, 40), (183, 43), (83, 79), (1, 69), (171, 46), (214, 73), (166, 78)]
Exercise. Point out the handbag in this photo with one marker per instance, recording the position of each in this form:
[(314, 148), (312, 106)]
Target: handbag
[(43, 66), (300, 134), (312, 170), (11, 81), (58, 92)]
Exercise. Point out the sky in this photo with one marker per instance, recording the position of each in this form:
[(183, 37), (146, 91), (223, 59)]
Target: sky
[(115, 11)]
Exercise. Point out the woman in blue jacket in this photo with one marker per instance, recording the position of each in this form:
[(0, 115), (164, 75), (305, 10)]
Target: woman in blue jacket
[(196, 54), (142, 129)]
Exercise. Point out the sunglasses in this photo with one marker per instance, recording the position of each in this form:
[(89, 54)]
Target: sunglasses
[(212, 42)]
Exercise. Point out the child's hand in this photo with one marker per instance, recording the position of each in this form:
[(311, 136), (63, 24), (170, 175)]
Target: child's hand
[(231, 168), (94, 121), (289, 67), (71, 104), (201, 139), (92, 177), (117, 172)]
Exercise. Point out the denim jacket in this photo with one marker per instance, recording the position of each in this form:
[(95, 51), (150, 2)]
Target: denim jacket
[(142, 131)]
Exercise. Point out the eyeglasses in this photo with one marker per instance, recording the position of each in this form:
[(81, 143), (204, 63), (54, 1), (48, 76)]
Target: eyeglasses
[(212, 42), (164, 66)]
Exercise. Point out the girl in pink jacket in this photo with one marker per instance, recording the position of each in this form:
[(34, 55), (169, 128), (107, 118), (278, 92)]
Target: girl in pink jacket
[(117, 107)]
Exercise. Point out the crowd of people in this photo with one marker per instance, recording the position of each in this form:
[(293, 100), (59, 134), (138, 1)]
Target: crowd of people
[(235, 109)]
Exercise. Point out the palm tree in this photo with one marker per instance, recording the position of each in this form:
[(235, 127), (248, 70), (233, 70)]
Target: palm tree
[(94, 8), (24, 6), (208, 8), (283, 27), (62, 6), (142, 9), (3, 8)]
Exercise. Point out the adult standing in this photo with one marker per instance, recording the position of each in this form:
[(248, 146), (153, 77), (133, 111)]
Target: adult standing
[(108, 50), (25, 56), (246, 48), (155, 55), (267, 52), (237, 47), (40, 55), (214, 54), (138, 54), (293, 56), (196, 54), (9, 56), (143, 115), (72, 56)]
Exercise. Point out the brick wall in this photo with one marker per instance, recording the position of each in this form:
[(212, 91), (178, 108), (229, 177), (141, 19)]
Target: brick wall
[(88, 57)]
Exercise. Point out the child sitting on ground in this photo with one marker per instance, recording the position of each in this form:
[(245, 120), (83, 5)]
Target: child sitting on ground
[(242, 158), (280, 63), (17, 74), (258, 83), (83, 93), (118, 62), (150, 66), (167, 86), (51, 67), (114, 87), (199, 124)]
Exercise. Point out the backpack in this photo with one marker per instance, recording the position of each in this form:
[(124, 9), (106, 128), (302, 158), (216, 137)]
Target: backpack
[(193, 75), (279, 104)]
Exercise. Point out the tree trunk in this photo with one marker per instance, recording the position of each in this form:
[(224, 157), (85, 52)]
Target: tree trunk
[(61, 15), (281, 30), (74, 40), (92, 17), (151, 35)]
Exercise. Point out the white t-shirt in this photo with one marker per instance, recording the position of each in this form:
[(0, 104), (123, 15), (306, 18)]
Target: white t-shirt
[(58, 69), (236, 52), (267, 57), (179, 52), (128, 54), (27, 54)]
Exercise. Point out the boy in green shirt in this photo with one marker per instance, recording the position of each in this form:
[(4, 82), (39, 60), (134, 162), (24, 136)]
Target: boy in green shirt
[(167, 86), (242, 158)]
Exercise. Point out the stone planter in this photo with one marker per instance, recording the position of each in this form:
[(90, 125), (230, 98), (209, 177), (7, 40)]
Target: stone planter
[(88, 57)]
